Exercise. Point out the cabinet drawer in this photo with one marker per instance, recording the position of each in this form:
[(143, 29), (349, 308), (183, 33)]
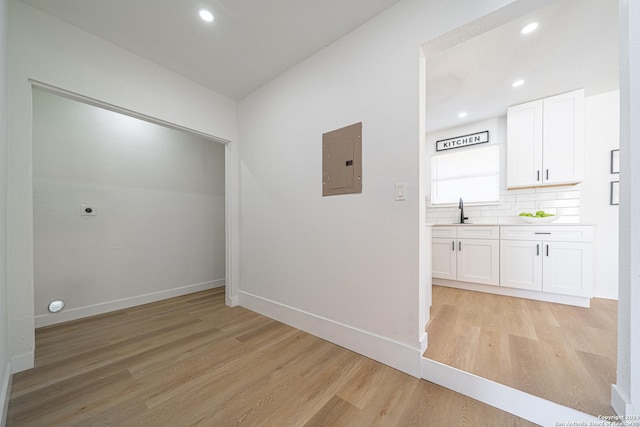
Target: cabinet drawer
[(444, 232), (556, 233), (478, 232)]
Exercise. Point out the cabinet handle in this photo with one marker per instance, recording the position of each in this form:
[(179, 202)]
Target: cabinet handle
[(547, 250), (538, 249), (538, 179), (453, 245), (540, 232), (459, 245), (547, 174)]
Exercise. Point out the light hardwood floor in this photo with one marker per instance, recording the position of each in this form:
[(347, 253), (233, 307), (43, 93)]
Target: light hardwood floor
[(558, 352), (192, 360)]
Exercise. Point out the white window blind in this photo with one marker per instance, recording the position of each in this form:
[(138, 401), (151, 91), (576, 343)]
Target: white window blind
[(473, 175)]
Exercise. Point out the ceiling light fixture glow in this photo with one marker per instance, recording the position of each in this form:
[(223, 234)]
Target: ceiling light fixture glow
[(517, 83), (205, 15), (529, 28), (463, 115)]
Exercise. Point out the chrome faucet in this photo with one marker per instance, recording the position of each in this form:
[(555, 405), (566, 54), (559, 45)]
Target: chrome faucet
[(461, 207)]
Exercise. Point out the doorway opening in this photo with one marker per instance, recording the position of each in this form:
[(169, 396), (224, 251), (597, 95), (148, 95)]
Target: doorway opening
[(128, 209), (464, 72)]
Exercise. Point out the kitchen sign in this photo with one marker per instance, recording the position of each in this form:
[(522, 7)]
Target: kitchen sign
[(462, 141)]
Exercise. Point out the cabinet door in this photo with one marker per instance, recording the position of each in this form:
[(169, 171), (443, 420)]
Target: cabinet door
[(479, 261), (563, 138), (521, 264), (524, 145), (567, 268), (443, 258)]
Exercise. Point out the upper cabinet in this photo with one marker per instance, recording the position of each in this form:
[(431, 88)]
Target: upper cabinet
[(545, 141)]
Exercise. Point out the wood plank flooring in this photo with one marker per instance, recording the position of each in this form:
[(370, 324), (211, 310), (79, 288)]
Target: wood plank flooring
[(558, 352), (193, 361)]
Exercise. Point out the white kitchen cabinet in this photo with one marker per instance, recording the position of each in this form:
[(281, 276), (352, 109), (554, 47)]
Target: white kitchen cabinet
[(552, 259), (478, 261), (443, 258), (521, 264), (568, 268), (545, 141), (547, 262), (468, 259)]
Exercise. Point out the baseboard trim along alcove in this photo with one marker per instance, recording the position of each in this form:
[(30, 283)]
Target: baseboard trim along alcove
[(516, 402), (392, 353), (92, 310)]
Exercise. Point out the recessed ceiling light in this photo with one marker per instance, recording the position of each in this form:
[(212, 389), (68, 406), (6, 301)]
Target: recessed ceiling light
[(517, 83), (205, 15), (463, 115), (529, 28)]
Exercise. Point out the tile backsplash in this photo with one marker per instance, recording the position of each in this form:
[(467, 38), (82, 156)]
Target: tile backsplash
[(561, 201)]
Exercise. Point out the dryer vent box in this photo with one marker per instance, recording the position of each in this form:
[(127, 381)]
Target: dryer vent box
[(342, 161)]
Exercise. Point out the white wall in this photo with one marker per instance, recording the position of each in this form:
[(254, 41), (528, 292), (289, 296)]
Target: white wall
[(159, 195), (344, 267), (48, 50), (602, 134), (5, 361)]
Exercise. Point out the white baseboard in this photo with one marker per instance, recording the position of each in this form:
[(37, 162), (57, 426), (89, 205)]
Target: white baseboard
[(424, 343), (606, 293), (516, 402), (22, 362), (620, 402), (518, 293), (397, 355), (5, 394), (105, 307), (232, 301)]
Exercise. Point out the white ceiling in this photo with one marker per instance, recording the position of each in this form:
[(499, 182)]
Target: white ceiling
[(253, 41), (576, 46), (249, 43)]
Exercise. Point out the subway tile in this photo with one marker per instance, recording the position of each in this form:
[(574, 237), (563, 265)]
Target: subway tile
[(567, 203), (568, 211), (522, 206), (570, 219), (521, 191), (554, 189), (536, 196), (575, 194), (510, 220), (486, 220), (496, 212)]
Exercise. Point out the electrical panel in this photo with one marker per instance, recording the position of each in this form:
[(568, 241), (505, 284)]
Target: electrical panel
[(342, 161)]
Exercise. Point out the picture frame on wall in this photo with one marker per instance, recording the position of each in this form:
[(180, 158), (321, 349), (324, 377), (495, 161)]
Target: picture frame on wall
[(615, 161), (615, 193)]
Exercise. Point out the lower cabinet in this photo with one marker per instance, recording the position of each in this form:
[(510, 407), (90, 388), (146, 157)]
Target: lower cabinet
[(467, 259), (521, 264), (568, 268), (562, 263), (479, 261), (555, 259), (443, 258)]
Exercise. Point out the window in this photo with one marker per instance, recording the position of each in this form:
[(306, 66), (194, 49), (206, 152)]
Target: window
[(473, 175)]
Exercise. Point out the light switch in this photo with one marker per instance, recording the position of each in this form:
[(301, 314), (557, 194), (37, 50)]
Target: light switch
[(88, 210), (400, 193)]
